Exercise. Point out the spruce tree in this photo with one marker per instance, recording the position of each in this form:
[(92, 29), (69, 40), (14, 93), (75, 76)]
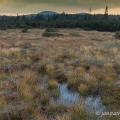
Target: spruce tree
[(106, 13)]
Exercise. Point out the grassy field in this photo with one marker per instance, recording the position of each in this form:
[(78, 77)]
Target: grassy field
[(88, 61)]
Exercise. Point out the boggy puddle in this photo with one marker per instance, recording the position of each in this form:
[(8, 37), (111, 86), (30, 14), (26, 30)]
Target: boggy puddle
[(70, 98)]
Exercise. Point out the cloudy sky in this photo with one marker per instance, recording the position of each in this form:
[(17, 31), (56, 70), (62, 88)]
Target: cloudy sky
[(12, 7)]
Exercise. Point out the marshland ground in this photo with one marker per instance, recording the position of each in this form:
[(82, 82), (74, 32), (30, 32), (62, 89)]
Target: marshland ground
[(87, 61)]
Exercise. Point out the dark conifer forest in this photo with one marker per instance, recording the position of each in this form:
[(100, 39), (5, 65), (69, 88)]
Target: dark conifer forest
[(100, 22)]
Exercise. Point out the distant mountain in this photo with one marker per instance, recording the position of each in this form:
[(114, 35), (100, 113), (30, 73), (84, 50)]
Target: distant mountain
[(48, 13), (82, 13), (43, 13)]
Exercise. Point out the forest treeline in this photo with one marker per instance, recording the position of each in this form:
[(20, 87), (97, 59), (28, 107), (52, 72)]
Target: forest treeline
[(100, 22)]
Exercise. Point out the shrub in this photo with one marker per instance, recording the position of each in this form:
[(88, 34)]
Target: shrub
[(51, 30), (3, 28), (24, 30), (117, 34), (51, 34), (74, 34), (87, 28)]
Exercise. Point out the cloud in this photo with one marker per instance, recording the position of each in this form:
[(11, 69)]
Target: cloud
[(78, 3)]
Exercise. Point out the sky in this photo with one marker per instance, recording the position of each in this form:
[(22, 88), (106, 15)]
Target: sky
[(12, 7)]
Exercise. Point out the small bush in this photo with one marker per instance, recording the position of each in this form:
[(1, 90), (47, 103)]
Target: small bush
[(24, 30), (117, 34), (51, 34), (87, 28), (51, 30), (74, 34), (3, 28)]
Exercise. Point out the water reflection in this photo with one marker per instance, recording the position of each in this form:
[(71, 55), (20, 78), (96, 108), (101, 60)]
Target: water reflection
[(70, 98)]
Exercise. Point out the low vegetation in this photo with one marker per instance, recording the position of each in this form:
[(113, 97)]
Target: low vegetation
[(51, 32), (117, 34), (74, 34), (30, 75), (24, 30)]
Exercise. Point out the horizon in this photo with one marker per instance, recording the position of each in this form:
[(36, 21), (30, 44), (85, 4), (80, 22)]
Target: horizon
[(23, 7)]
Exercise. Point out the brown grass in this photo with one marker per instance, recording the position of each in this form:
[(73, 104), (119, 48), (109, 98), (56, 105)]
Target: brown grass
[(35, 36), (86, 63)]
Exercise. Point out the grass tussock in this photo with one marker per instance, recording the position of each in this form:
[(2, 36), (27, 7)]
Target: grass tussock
[(2, 102), (83, 89), (57, 109), (19, 44), (50, 68), (78, 113), (52, 84)]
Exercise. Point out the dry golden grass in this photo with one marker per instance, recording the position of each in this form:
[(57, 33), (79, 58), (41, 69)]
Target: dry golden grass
[(50, 68), (80, 72), (78, 112), (2, 102), (52, 84), (39, 89), (92, 82), (35, 36), (26, 93), (19, 44), (63, 117), (86, 63), (83, 89), (29, 77), (5, 45), (39, 116)]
